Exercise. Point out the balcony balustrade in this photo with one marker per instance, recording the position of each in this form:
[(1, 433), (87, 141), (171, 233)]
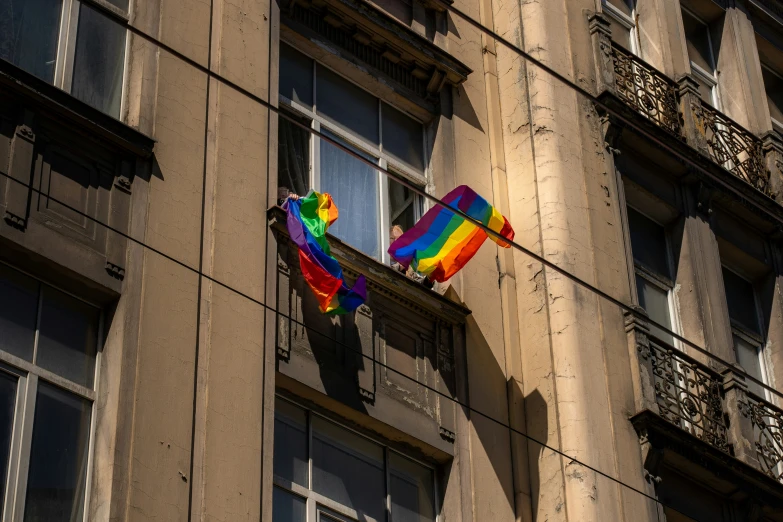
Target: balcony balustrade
[(767, 422), (689, 394), (712, 406), (646, 90), (677, 108), (733, 147)]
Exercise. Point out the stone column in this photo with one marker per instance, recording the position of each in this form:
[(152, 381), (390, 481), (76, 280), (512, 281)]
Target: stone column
[(740, 432)]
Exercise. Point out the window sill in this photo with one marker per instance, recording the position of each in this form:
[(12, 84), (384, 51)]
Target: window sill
[(383, 278), (59, 104)]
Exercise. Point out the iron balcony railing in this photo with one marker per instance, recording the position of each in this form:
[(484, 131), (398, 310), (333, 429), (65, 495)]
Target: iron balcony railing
[(733, 147), (646, 90), (689, 394), (767, 421), (653, 95)]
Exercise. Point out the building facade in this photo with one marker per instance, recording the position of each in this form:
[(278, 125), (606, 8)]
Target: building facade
[(162, 359)]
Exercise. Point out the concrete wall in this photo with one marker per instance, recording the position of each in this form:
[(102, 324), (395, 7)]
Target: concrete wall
[(186, 391)]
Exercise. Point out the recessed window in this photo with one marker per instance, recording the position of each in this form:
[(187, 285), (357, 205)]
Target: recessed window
[(653, 271), (317, 97), (744, 313), (326, 472), (702, 55), (70, 44), (621, 15), (48, 347), (773, 85)]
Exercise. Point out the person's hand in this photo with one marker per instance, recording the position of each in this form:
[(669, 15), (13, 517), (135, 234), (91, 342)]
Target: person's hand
[(293, 196)]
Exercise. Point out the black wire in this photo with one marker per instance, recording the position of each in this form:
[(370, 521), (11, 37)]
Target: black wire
[(403, 181), (338, 342)]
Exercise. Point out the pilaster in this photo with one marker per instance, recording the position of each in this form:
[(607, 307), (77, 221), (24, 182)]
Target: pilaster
[(740, 431), (772, 146), (601, 38), (690, 109)]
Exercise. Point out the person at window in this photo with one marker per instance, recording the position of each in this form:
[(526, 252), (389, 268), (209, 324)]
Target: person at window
[(284, 193), (395, 232)]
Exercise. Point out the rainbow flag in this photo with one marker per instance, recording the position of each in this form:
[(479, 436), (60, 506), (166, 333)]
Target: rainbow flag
[(307, 222), (442, 242)]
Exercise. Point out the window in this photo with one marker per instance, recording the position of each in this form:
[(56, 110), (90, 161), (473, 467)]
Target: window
[(652, 265), (773, 85), (622, 19), (702, 55), (369, 203), (324, 472), (746, 329), (71, 44), (48, 350)]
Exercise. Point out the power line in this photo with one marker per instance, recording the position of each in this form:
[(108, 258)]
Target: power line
[(416, 189), (404, 181), (353, 349)]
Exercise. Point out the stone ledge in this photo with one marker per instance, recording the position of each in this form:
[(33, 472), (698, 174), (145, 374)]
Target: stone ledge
[(385, 280), (73, 113)]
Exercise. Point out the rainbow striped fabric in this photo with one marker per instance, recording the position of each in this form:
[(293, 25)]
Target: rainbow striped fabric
[(308, 220), (442, 242)]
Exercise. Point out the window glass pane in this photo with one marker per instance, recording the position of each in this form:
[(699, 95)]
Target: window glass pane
[(748, 358), (348, 469), (741, 300), (345, 104), (293, 157), (773, 85), (698, 39), (411, 488), (620, 33), (648, 243), (287, 507), (7, 407), (99, 61), (403, 138), (705, 91), (58, 459), (655, 302), (624, 6), (291, 443), (296, 76), (403, 204), (354, 189), (68, 337), (18, 312), (28, 34)]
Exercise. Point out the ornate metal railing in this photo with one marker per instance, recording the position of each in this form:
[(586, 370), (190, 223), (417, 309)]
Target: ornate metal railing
[(733, 147), (646, 90), (689, 394), (767, 423)]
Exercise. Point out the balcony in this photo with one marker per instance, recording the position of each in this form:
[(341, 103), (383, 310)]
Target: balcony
[(636, 89), (703, 421), (373, 360)]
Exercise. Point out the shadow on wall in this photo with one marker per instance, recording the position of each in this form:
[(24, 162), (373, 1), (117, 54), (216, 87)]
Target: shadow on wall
[(500, 446), (334, 342)]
